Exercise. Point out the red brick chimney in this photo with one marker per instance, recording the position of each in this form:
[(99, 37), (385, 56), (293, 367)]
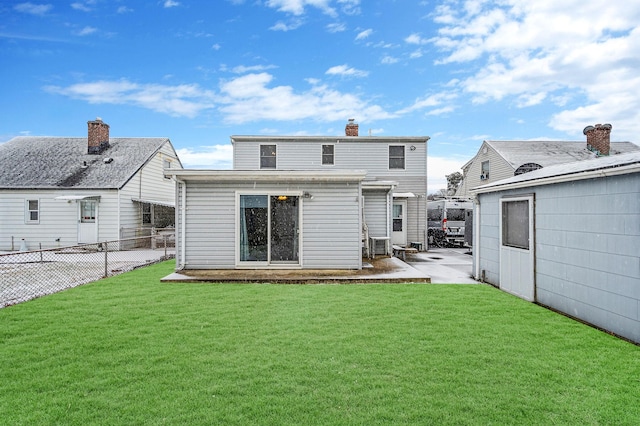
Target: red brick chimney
[(351, 129), (98, 136), (598, 138)]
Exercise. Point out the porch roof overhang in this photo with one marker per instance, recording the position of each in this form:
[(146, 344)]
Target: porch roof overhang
[(155, 202), (77, 197), (266, 175), (386, 185), (404, 195)]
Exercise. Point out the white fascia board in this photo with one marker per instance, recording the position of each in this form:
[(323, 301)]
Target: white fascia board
[(266, 175), (591, 174), (77, 197)]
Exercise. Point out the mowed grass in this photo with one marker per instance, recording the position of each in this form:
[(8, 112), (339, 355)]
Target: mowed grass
[(131, 350)]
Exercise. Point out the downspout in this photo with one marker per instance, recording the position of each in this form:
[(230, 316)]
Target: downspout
[(426, 194), (183, 224), (476, 237)]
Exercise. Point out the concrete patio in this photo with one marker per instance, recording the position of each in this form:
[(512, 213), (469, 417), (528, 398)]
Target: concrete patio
[(435, 266)]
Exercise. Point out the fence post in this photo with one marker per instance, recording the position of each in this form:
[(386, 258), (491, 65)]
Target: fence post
[(106, 268), (165, 246), (41, 253)]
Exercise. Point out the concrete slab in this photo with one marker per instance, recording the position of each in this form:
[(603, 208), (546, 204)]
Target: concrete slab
[(445, 265), (382, 270)]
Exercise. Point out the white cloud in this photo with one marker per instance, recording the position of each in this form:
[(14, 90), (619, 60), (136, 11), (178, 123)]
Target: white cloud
[(297, 7), (364, 34), (87, 31), (283, 26), (124, 9), (218, 157), (33, 9), (415, 39), (242, 69), (83, 6), (345, 70), (548, 52), (249, 98), (442, 100), (389, 60), (336, 27), (171, 3), (181, 100)]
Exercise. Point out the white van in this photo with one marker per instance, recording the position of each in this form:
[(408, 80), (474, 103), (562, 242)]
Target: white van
[(447, 220)]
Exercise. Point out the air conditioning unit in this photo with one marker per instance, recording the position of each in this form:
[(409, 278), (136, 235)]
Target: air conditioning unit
[(484, 176)]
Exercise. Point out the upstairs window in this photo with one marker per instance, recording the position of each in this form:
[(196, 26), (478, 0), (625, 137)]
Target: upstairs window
[(396, 157), (166, 164), (267, 156), (327, 155), (32, 213), (484, 171)]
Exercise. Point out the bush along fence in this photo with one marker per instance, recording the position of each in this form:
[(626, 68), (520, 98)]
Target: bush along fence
[(26, 275)]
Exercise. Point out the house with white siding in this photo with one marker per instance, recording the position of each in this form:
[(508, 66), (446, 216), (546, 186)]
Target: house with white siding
[(567, 237), (497, 160), (303, 202), (63, 191)]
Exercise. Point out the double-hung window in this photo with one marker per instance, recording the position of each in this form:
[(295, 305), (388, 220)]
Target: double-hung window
[(267, 156), (32, 211), (327, 155), (396, 157)]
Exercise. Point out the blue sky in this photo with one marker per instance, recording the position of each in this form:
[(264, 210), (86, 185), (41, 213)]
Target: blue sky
[(201, 71)]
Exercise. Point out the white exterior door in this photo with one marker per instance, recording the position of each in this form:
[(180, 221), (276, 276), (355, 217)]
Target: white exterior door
[(399, 226), (517, 247), (87, 221)]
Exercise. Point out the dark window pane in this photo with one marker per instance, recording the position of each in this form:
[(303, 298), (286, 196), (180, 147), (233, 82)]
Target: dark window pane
[(327, 154), (515, 224), (396, 157), (267, 156)]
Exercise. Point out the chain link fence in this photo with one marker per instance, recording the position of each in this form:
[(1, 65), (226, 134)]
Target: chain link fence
[(26, 275)]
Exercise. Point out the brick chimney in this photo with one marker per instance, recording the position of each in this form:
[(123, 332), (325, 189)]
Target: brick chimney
[(598, 138), (98, 136), (351, 129)]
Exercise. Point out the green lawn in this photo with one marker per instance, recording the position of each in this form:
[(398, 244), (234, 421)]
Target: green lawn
[(131, 350)]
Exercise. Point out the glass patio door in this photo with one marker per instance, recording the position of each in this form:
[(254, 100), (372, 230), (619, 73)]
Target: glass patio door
[(268, 231)]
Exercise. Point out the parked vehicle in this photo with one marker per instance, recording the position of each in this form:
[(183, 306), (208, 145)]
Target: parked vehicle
[(446, 221)]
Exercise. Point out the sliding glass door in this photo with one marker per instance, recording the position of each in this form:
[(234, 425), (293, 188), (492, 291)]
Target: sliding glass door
[(269, 229)]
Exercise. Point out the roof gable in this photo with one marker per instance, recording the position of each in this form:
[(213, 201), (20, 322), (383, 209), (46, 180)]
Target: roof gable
[(62, 163)]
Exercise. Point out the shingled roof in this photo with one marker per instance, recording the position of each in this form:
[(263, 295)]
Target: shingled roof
[(35, 162), (548, 153)]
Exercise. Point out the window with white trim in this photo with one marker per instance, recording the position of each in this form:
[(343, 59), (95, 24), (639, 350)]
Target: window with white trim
[(32, 211), (267, 156), (166, 164), (484, 172), (396, 156), (327, 155)]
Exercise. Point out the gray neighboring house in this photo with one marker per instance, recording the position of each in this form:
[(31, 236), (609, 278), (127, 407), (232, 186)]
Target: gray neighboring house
[(62, 191), (567, 237), (303, 202), (497, 160)]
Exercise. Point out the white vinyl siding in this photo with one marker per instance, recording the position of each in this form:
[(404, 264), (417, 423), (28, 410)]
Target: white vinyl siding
[(498, 169), (330, 223), (370, 154)]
